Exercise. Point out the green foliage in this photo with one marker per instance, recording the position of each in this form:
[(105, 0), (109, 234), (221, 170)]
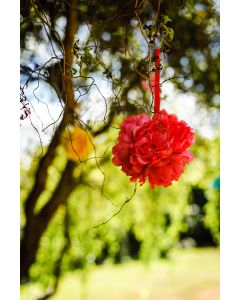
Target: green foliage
[(167, 32), (188, 31), (51, 245), (205, 169), (154, 217), (212, 219)]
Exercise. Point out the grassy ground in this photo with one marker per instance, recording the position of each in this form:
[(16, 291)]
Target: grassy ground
[(189, 275)]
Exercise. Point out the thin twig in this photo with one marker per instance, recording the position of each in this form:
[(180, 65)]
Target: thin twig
[(120, 209)]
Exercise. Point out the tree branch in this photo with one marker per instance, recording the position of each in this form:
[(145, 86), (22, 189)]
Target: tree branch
[(28, 254), (61, 193), (47, 159), (37, 224)]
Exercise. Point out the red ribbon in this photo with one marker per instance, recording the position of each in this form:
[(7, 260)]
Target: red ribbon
[(157, 82)]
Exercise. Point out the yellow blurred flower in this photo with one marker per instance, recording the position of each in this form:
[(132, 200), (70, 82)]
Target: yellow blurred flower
[(78, 143)]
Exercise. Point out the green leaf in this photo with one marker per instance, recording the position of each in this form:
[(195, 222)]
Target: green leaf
[(74, 71), (166, 19), (169, 31)]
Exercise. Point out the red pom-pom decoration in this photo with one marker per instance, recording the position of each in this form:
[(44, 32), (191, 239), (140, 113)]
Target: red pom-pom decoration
[(154, 149)]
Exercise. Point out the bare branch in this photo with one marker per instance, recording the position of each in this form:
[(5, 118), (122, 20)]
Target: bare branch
[(119, 210)]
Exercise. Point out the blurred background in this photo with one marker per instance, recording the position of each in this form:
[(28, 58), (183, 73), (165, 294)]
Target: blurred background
[(86, 231)]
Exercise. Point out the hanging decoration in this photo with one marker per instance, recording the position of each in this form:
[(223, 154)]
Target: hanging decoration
[(78, 143), (154, 149)]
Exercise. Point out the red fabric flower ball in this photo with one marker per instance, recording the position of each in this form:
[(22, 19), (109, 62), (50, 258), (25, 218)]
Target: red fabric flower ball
[(153, 149)]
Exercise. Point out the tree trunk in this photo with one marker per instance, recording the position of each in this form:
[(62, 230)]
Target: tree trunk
[(37, 224)]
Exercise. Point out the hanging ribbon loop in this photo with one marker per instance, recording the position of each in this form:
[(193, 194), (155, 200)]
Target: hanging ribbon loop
[(157, 82)]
